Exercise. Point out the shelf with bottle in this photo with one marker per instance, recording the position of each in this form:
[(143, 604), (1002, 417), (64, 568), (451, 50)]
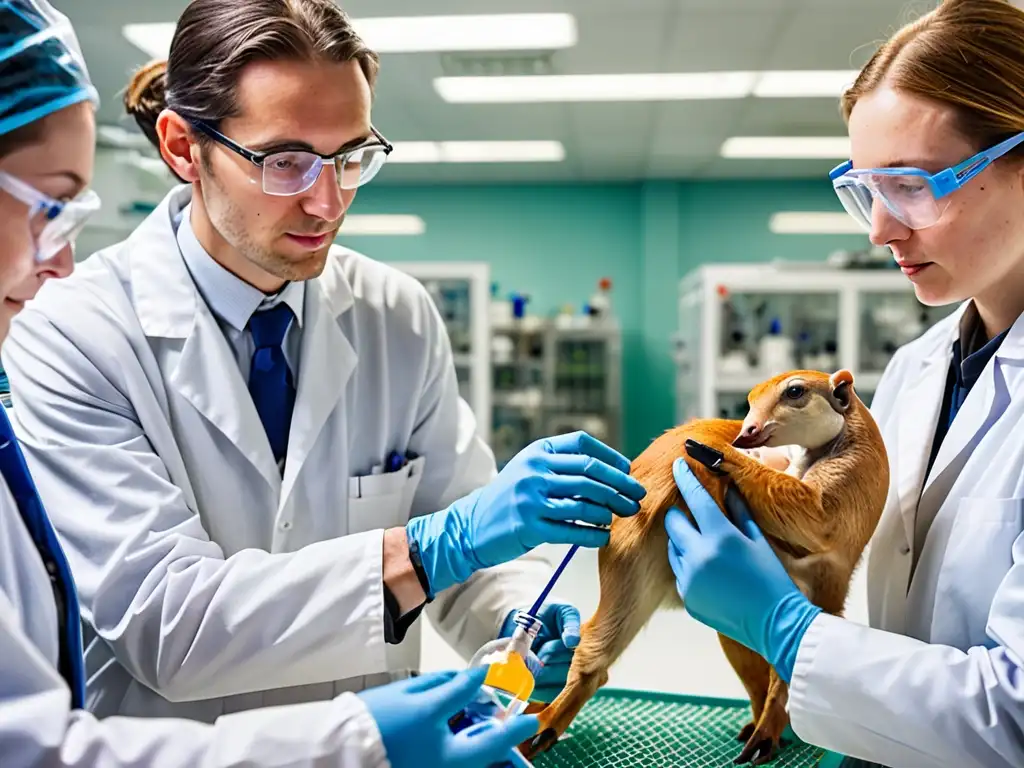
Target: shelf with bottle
[(741, 324)]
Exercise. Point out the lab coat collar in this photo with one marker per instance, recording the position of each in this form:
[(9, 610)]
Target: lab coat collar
[(919, 411), (922, 401), (165, 296), (327, 362), (1012, 348)]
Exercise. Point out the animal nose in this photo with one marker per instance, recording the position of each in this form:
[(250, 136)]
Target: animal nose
[(749, 437)]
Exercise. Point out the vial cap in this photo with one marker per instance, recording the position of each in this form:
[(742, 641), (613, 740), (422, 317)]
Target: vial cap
[(528, 622)]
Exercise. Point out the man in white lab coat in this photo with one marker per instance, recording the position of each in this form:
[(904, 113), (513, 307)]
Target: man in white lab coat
[(231, 422)]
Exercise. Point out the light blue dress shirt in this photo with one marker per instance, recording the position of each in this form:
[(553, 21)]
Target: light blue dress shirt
[(233, 301)]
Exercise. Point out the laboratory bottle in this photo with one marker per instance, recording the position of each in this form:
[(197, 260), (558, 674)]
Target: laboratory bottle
[(513, 666), (775, 351)]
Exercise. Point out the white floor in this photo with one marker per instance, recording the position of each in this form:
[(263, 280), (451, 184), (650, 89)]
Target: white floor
[(674, 654)]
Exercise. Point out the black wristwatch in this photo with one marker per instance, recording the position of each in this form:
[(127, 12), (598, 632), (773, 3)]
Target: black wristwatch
[(421, 573)]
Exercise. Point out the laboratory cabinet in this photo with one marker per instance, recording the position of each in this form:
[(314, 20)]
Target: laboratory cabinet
[(552, 376), (461, 291), (529, 377), (741, 324)]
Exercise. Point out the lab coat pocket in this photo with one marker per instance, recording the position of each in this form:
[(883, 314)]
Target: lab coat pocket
[(977, 558), (383, 501)]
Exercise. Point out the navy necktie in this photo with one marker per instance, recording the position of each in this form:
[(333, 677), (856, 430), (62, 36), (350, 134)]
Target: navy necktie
[(71, 663), (270, 380)]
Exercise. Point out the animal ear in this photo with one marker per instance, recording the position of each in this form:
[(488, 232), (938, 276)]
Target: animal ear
[(841, 383)]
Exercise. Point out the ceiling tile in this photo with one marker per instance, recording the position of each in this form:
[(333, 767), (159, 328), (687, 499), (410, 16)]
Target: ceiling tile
[(834, 37), (722, 39), (790, 117), (615, 43)]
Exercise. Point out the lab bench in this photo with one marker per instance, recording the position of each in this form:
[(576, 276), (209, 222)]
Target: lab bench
[(634, 729)]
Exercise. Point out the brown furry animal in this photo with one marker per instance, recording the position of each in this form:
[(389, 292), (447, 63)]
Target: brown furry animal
[(818, 508)]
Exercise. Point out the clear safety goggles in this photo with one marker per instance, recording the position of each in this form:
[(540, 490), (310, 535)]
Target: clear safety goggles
[(62, 221), (914, 197), (292, 172)]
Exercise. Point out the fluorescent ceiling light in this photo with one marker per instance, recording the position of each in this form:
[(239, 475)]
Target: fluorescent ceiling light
[(477, 152), (660, 86), (787, 147), (814, 223), (382, 224), (655, 86), (804, 83), (417, 34)]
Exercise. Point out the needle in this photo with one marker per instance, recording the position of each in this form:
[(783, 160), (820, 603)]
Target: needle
[(551, 582)]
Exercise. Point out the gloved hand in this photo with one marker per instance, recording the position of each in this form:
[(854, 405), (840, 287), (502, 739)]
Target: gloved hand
[(730, 578), (555, 644), (533, 500), (412, 717)]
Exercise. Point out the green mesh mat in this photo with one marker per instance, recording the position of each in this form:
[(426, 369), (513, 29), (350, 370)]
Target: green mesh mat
[(632, 729)]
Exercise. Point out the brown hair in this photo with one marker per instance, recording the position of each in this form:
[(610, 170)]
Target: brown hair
[(215, 39), (967, 54)]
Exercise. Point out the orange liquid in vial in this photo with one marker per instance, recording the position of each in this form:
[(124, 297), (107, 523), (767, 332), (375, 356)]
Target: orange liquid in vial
[(511, 676)]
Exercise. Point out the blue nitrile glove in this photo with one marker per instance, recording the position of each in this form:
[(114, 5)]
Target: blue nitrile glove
[(412, 716), (532, 501), (555, 644), (731, 579)]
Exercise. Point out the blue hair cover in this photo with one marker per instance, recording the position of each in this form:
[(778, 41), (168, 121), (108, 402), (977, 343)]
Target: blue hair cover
[(41, 65)]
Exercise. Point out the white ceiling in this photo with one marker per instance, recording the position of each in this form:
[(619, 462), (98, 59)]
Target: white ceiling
[(603, 141)]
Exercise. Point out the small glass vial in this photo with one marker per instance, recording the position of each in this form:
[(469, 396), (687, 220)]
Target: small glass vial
[(513, 666)]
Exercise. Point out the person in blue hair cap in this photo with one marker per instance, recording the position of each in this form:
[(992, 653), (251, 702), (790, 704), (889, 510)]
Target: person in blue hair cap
[(41, 66), (47, 138)]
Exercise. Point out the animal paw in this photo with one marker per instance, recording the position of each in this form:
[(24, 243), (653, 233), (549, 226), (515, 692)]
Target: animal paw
[(757, 752), (539, 743), (759, 749), (746, 732)]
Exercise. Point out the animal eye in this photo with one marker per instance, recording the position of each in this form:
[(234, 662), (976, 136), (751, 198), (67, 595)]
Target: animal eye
[(795, 392)]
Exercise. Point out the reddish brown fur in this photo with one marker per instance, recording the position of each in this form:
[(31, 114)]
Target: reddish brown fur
[(819, 526)]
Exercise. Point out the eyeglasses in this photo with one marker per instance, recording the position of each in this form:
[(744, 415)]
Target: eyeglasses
[(914, 197), (63, 220), (292, 172)]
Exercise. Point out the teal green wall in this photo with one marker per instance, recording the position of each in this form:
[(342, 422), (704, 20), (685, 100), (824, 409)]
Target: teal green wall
[(554, 243)]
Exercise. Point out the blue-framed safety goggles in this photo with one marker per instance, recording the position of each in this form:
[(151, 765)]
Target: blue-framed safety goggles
[(62, 221), (914, 197)]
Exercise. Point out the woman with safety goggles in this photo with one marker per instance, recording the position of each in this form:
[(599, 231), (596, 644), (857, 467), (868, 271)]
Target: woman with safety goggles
[(936, 121), (47, 134)]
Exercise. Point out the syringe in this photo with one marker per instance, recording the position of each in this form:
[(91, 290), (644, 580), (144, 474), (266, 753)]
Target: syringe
[(558, 571), (551, 582)]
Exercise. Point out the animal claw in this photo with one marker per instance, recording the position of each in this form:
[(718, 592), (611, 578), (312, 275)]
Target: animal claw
[(543, 741), (706, 455), (757, 752)]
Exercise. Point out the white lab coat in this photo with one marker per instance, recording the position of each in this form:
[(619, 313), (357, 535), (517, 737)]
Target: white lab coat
[(938, 681), (39, 728), (209, 583)]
